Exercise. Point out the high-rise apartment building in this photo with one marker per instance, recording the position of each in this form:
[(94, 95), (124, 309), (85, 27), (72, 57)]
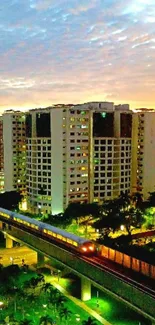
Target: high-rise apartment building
[(77, 153), (111, 152), (14, 151), (143, 152), (1, 157)]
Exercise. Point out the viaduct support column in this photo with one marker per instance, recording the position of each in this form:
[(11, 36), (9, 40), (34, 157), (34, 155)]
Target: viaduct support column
[(9, 242), (40, 259), (85, 289)]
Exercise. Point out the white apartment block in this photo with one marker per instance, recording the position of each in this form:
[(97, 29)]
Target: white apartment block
[(1, 157), (143, 152), (77, 153), (14, 151)]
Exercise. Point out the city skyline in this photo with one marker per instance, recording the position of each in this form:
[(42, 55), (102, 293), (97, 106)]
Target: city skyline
[(70, 52)]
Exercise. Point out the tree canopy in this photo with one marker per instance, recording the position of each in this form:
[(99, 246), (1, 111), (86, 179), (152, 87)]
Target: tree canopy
[(117, 212), (10, 200)]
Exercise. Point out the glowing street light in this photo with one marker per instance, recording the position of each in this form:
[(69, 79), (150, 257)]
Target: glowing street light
[(1, 304), (11, 259), (59, 275)]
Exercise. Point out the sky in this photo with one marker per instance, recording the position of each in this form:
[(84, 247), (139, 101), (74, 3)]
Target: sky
[(76, 51)]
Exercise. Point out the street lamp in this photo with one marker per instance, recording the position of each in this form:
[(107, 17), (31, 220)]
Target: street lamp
[(44, 307), (97, 296), (11, 259), (39, 208), (59, 275), (1, 306)]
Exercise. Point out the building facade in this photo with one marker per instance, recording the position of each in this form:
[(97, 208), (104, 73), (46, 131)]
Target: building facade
[(77, 153), (1, 157), (143, 152), (14, 142)]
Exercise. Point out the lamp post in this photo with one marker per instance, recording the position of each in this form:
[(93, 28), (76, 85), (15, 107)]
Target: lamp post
[(59, 275), (39, 208), (44, 308), (11, 259), (97, 296), (1, 307)]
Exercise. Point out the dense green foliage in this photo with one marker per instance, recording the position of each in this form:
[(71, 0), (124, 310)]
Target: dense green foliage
[(29, 300)]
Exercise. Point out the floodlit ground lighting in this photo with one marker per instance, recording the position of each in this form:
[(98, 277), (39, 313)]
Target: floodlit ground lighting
[(114, 310)]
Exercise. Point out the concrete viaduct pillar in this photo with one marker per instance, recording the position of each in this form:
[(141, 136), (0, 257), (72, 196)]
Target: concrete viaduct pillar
[(8, 242), (85, 289), (40, 259)]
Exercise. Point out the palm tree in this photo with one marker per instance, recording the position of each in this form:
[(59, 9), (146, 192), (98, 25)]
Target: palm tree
[(45, 320), (40, 279), (26, 322), (137, 199), (89, 321), (65, 313), (124, 201), (30, 298), (56, 299), (47, 287)]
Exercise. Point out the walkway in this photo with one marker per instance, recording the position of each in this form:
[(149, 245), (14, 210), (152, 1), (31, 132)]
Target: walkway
[(78, 302)]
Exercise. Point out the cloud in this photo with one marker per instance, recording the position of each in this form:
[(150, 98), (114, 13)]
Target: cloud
[(81, 8), (71, 51), (41, 5)]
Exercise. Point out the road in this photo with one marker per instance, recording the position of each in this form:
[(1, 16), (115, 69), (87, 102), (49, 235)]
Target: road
[(16, 254)]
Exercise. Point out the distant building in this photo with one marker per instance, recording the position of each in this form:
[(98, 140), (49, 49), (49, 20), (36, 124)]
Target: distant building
[(14, 151), (1, 157), (143, 152)]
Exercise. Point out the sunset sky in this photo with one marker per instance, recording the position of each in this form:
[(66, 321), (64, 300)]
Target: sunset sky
[(75, 51)]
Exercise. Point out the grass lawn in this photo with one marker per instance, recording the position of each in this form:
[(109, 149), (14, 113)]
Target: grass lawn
[(114, 310)]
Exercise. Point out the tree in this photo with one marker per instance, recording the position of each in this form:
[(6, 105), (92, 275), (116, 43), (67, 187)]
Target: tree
[(65, 313), (46, 320), (10, 200), (56, 299), (89, 321), (137, 199), (124, 201), (110, 218), (151, 199), (39, 279), (26, 322), (47, 287), (88, 212), (133, 219)]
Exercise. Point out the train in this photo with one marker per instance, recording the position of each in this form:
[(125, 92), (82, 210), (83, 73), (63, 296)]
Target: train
[(78, 244)]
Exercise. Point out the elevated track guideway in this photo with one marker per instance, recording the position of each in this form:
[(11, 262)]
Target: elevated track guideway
[(91, 269)]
